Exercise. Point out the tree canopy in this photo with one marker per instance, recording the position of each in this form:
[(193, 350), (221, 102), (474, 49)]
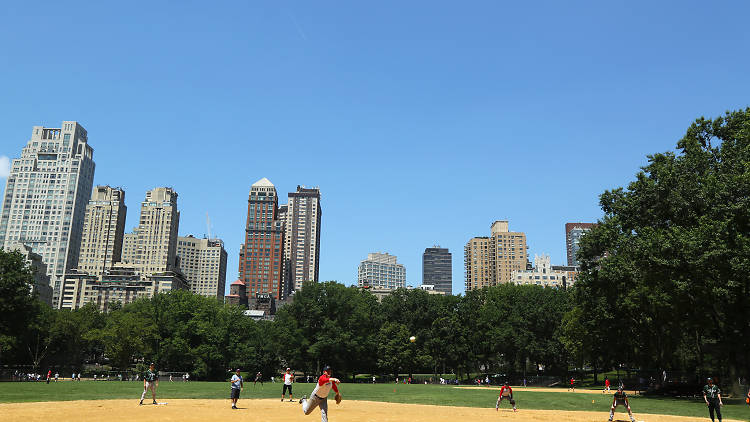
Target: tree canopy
[(666, 273)]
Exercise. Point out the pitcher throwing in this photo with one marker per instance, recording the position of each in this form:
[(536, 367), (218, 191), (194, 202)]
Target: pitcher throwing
[(319, 396)]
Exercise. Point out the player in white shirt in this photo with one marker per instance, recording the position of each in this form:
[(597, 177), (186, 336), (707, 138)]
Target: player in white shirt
[(288, 380), (237, 385)]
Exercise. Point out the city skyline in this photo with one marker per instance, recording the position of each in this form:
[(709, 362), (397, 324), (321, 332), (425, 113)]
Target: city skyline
[(389, 124)]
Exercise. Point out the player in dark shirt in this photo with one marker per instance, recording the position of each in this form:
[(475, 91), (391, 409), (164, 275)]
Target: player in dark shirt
[(620, 398), (150, 382), (712, 397)]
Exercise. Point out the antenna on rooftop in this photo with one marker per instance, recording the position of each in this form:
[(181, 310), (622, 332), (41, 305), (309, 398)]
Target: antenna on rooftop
[(208, 226)]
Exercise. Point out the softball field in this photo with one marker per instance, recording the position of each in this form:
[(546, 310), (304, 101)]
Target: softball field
[(182, 410)]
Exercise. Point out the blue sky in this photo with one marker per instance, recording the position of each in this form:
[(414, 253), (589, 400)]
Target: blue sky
[(422, 122)]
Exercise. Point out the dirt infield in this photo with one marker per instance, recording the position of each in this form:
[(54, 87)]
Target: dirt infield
[(275, 411)]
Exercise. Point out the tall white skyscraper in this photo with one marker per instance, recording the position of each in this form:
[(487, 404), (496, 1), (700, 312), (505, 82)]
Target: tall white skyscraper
[(103, 230), (301, 238), (381, 271), (204, 263), (152, 247), (46, 196)]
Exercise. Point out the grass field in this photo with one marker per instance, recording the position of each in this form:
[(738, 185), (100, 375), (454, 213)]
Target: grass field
[(416, 394)]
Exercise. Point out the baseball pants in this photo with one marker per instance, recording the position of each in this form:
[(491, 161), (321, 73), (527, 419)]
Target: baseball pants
[(314, 401), (713, 405), (501, 398), (149, 386)]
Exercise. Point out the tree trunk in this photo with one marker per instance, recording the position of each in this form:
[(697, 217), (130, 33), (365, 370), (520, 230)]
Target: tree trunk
[(596, 374)]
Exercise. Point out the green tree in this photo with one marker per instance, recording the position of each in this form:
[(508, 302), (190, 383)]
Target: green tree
[(17, 303), (668, 267), (328, 323)]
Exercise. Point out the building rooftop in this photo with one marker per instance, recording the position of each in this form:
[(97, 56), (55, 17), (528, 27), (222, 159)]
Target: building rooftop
[(263, 182)]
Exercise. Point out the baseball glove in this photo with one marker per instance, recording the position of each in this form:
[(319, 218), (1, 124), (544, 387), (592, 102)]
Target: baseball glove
[(338, 398)]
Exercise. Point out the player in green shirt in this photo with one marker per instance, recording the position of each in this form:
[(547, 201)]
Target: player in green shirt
[(620, 398), (150, 381), (712, 397)]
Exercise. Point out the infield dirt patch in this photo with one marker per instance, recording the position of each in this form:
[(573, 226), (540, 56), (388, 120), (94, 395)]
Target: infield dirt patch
[(276, 411)]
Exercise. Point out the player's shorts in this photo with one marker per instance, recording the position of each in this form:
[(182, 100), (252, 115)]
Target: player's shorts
[(620, 403), (235, 393), (286, 387)]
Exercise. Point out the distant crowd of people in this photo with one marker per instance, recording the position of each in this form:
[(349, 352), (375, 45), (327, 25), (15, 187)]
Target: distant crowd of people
[(76, 376)]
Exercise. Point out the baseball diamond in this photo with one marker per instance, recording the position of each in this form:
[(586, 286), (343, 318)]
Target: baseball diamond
[(187, 410)]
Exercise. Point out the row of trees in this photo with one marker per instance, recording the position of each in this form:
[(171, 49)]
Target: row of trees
[(496, 329), (665, 284)]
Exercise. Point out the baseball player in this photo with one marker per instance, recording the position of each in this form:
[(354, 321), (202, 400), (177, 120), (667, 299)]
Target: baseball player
[(150, 381), (258, 377), (620, 398), (572, 385), (288, 380), (712, 397), (606, 385), (319, 396), (505, 393), (237, 385)]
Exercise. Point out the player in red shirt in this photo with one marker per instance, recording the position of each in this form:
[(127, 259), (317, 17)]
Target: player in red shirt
[(606, 385), (319, 396), (572, 384), (505, 393)]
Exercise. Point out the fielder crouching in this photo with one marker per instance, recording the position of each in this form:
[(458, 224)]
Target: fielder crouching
[(319, 396), (506, 393)]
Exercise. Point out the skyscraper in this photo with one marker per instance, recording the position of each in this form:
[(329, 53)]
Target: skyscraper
[(302, 238), (204, 263), (103, 230), (437, 269), (573, 233), (261, 255), (489, 261), (46, 195), (149, 263), (156, 244), (381, 271)]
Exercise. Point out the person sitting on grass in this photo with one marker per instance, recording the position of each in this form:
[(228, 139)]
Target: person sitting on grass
[(620, 398)]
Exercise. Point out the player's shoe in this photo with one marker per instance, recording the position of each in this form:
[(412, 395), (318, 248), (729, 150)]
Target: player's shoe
[(302, 399), (141, 403), (282, 399), (155, 402)]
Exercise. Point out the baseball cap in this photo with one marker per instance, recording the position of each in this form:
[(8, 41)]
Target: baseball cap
[(326, 368), (237, 370), (709, 379), (151, 364)]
